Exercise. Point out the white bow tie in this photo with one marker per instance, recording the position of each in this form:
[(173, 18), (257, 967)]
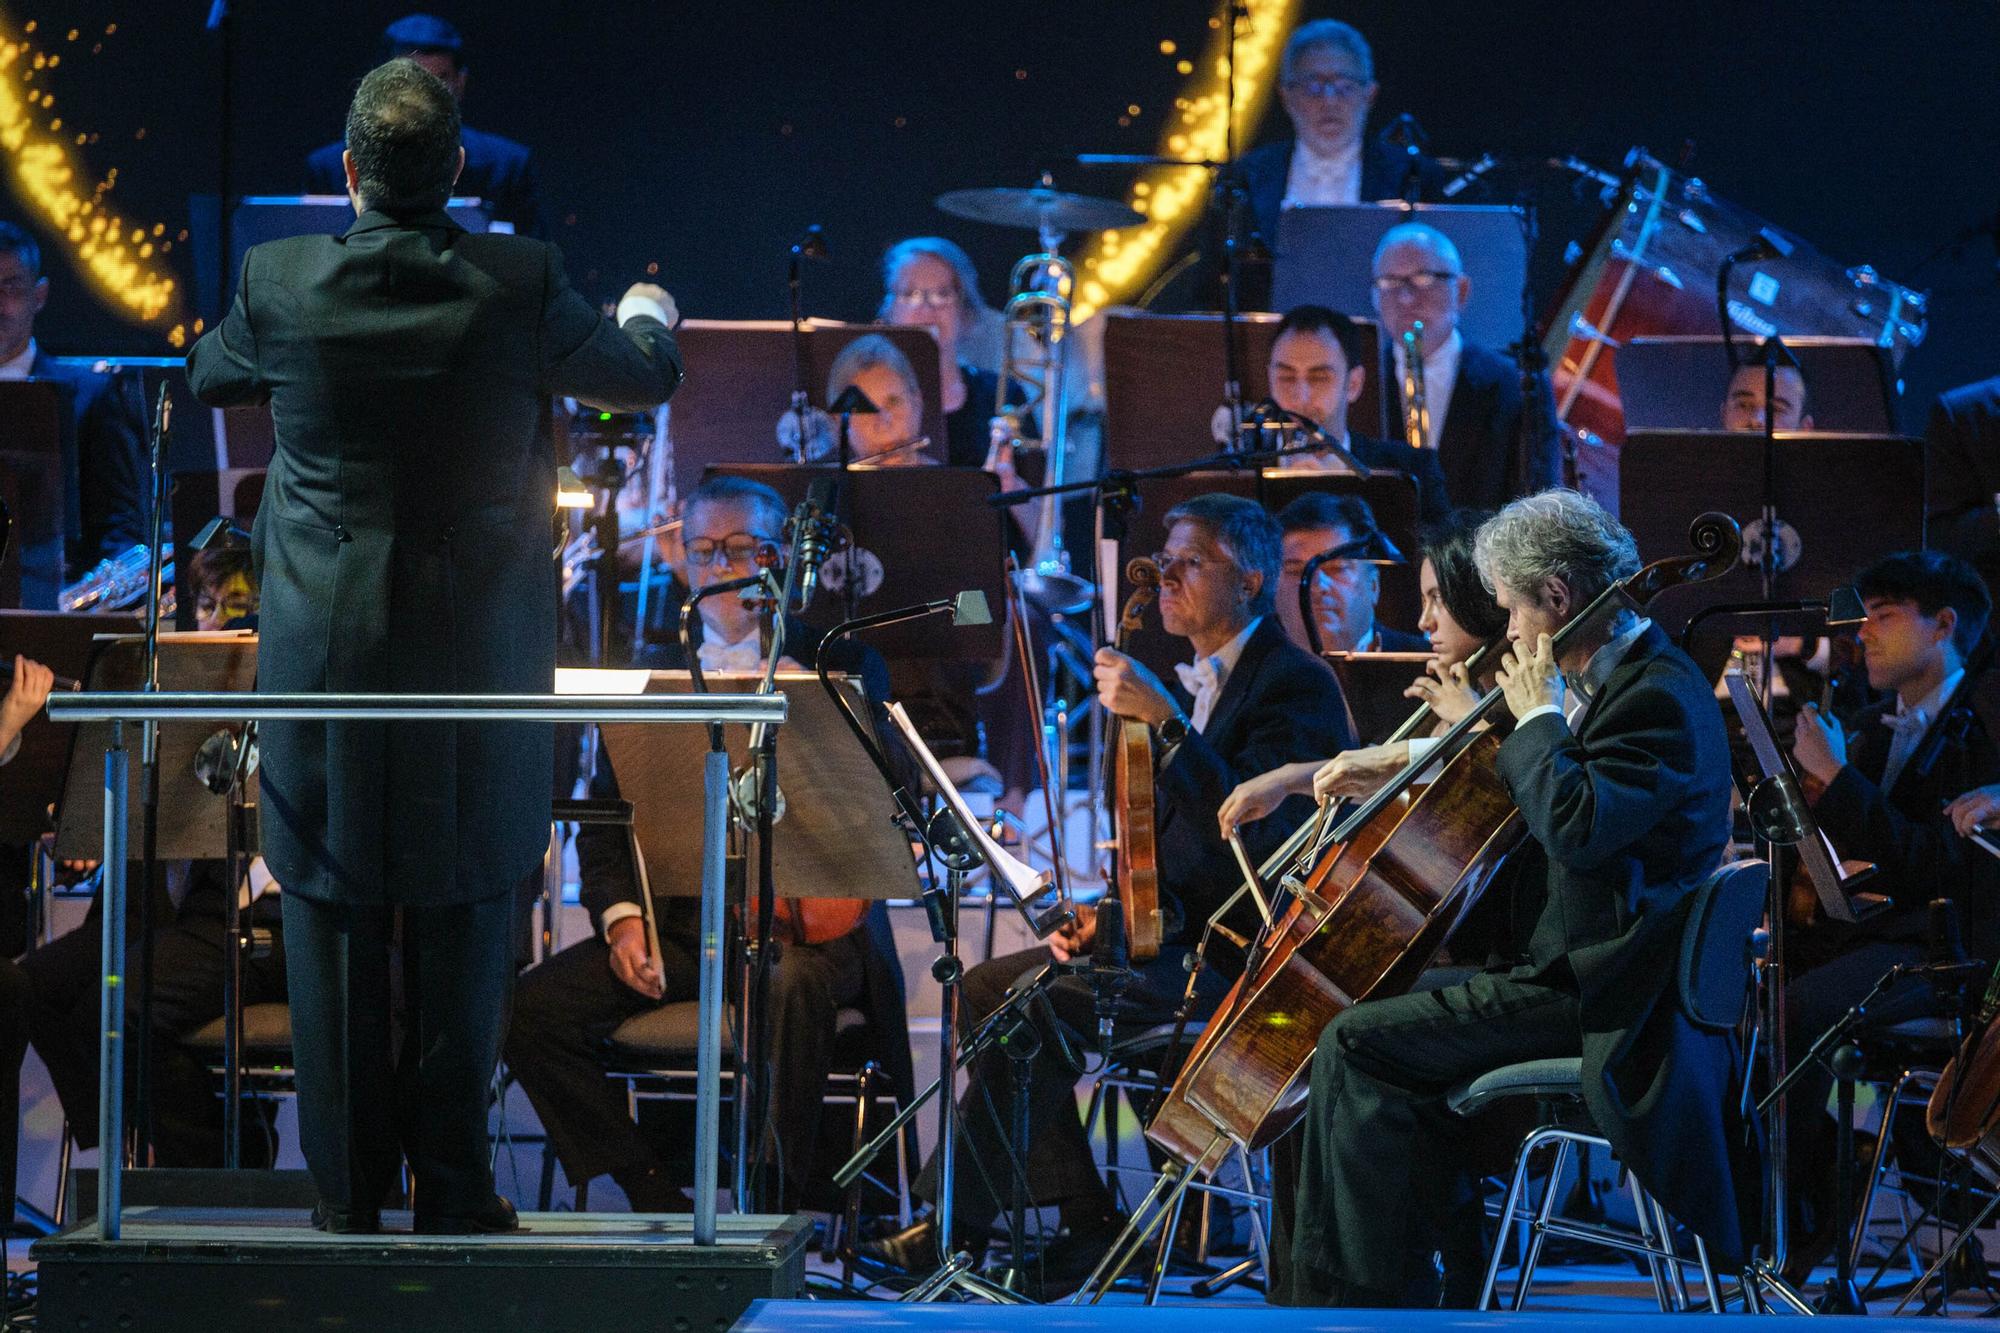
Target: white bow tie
[(1912, 722), (745, 658), (1198, 678)]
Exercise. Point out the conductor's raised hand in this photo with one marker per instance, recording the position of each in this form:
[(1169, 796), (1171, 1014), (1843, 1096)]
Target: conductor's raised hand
[(1530, 678)]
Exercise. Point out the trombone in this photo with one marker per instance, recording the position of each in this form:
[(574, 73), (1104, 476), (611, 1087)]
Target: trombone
[(1036, 356)]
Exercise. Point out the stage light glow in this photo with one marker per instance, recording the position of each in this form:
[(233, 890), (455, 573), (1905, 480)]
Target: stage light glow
[(113, 254), (1117, 265)]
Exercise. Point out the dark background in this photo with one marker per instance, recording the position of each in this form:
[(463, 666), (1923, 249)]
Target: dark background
[(702, 137)]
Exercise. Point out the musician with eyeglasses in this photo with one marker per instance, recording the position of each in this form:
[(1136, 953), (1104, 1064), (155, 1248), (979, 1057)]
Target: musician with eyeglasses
[(566, 1006), (928, 282), (1250, 700), (1472, 398)]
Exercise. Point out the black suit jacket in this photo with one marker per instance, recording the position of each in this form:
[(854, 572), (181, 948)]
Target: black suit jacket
[(497, 170), (403, 540), (1279, 706), (104, 460), (1266, 170), (1434, 497), (1630, 816), (1375, 700), (1918, 855), (1484, 459)]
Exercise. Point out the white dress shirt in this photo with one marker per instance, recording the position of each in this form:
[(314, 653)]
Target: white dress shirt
[(1206, 676), (1908, 724), (17, 369), (744, 657), (1440, 378), (1317, 179)]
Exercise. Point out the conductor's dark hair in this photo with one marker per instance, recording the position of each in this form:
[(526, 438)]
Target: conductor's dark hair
[(402, 129), (1356, 346), (16, 241), (1244, 529), (1932, 580), (1320, 509), (1448, 546)]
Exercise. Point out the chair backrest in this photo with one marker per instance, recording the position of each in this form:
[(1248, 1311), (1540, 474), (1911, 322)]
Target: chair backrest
[(1716, 944)]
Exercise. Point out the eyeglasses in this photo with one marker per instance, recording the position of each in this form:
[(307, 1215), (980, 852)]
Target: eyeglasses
[(1193, 564), (738, 548), (1421, 282), (934, 298), (1327, 90)]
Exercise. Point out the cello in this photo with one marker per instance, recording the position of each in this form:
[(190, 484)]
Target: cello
[(1370, 907), (1133, 815)]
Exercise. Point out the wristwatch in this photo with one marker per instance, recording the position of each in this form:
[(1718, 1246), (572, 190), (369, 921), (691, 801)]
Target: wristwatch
[(1173, 731)]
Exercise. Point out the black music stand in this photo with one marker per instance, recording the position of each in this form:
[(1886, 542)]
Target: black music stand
[(196, 823), (1160, 373), (1678, 383), (1326, 256), (837, 838), (1392, 495), (920, 534), (67, 644), (1842, 501), (32, 418), (198, 497), (1373, 685), (740, 381)]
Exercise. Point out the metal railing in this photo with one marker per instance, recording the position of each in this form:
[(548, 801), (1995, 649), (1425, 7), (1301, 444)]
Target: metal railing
[(118, 709)]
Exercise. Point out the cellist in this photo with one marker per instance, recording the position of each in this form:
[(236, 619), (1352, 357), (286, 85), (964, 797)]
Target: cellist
[(1251, 701), (1619, 765)]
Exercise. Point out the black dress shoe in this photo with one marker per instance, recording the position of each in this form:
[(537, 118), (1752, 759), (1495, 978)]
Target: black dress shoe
[(497, 1215), (914, 1249), (346, 1221)]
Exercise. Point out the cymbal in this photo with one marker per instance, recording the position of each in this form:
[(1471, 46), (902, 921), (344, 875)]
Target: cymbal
[(1039, 209)]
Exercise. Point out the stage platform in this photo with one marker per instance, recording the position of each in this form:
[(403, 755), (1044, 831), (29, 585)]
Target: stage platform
[(209, 1269), (786, 1316)]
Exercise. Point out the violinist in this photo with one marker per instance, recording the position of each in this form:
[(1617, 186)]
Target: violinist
[(1888, 773), (1251, 701), (1459, 617), (1619, 766), (564, 1007)]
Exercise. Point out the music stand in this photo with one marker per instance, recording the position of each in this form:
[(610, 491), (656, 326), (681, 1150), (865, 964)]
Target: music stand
[(32, 418), (896, 516), (740, 380), (1326, 256), (1392, 495), (1843, 501), (1373, 685), (232, 493), (1162, 378), (66, 643), (1678, 383)]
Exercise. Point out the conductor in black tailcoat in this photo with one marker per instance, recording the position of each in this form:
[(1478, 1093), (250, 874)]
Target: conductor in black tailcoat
[(404, 547)]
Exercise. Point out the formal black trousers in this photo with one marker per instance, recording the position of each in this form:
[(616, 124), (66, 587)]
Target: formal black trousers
[(63, 1002), (566, 1008), (365, 1107), (1056, 1161), (1385, 1166), (13, 1047)]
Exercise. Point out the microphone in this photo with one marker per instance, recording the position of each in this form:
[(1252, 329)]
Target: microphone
[(814, 535), (1110, 968)]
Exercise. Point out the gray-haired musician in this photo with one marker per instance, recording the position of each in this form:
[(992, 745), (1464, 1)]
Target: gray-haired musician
[(1623, 780)]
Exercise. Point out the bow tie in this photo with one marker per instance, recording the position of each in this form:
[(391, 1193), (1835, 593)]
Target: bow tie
[(745, 658), (1199, 678), (1910, 722)]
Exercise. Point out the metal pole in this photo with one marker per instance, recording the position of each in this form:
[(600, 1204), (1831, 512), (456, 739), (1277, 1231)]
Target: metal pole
[(708, 1052), (948, 971), (111, 1009)]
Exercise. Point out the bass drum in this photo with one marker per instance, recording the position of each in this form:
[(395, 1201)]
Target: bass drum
[(1650, 270)]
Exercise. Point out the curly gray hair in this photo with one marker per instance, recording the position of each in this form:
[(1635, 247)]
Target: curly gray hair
[(1557, 534)]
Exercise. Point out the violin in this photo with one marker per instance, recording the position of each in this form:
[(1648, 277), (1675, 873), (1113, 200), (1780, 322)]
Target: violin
[(1134, 818), (1371, 904), (1964, 1111)]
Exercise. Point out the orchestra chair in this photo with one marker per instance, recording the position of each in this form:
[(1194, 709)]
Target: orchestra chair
[(1713, 992)]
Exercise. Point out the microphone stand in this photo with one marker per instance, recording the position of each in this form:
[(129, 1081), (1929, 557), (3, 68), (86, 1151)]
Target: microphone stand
[(945, 838), (149, 762), (810, 245)]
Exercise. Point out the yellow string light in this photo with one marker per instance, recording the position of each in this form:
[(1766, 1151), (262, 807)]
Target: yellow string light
[(115, 256), (1118, 264)]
